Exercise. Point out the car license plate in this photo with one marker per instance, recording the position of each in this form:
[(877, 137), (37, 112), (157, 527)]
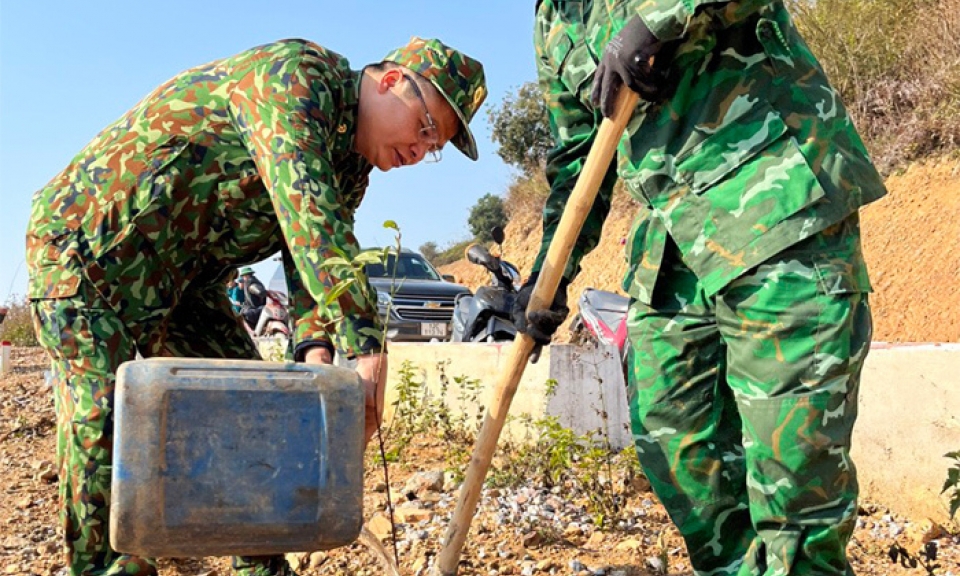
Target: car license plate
[(433, 329)]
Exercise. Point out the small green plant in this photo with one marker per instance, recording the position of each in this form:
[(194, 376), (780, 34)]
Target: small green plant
[(952, 484), (408, 413)]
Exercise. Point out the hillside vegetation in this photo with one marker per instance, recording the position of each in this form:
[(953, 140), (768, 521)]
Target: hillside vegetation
[(896, 64)]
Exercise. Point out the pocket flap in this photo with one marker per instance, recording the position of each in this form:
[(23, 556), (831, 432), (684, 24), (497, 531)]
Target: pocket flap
[(733, 144)]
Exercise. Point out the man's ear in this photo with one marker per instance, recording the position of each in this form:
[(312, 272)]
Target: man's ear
[(390, 78)]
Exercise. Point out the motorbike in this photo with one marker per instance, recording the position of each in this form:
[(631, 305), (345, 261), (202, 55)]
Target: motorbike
[(602, 318), (274, 318), (486, 315)]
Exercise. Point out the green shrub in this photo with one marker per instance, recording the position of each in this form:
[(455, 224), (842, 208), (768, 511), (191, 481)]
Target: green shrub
[(521, 128), (451, 253), (17, 327), (486, 214)]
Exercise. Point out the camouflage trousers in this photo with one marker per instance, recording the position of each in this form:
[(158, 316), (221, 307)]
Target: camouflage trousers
[(86, 342), (742, 406)]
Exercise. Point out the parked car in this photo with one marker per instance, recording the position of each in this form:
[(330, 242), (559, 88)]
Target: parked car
[(415, 301)]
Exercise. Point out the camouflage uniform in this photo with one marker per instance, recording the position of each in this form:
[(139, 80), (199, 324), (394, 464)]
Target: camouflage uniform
[(749, 319), (128, 247)]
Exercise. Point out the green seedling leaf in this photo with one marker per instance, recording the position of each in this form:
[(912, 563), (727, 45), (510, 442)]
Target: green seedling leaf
[(338, 289), (368, 257), (335, 261)]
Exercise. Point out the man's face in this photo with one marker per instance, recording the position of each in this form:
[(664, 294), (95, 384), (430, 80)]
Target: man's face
[(397, 127)]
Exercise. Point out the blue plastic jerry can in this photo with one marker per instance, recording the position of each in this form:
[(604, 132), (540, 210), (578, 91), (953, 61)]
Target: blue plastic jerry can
[(235, 457)]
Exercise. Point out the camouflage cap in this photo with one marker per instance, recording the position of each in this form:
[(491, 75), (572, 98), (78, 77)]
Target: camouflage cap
[(458, 77)]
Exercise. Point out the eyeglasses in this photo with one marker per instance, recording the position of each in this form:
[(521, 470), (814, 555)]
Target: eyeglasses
[(429, 134)]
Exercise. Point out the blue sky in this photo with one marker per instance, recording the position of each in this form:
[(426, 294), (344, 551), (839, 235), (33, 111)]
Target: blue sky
[(67, 69)]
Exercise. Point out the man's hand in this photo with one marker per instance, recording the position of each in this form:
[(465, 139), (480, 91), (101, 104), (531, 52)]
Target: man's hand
[(373, 371), (539, 324), (628, 59)]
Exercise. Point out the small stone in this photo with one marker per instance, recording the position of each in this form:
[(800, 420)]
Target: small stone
[(532, 540), (14, 569), (379, 526), (595, 540), (656, 564), (48, 475), (49, 548), (380, 486), (413, 515), (419, 565), (317, 559), (545, 565), (428, 481), (297, 560), (577, 565), (629, 545), (925, 531)]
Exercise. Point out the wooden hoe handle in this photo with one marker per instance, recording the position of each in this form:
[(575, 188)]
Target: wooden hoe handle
[(574, 214)]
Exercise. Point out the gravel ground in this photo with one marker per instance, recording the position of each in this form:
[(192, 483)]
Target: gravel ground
[(527, 530)]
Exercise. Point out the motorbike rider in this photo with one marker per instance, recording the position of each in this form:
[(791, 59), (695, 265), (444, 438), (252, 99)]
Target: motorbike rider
[(254, 296)]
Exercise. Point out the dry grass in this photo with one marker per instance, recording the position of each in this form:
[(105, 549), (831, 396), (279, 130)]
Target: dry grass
[(896, 64)]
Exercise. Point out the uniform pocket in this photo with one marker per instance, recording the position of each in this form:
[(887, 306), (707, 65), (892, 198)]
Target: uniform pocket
[(54, 271), (744, 180), (64, 328), (735, 143), (841, 277), (576, 65)]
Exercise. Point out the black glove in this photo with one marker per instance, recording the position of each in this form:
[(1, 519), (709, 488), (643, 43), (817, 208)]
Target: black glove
[(626, 60), (540, 324)]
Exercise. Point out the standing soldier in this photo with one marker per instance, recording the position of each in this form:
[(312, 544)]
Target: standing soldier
[(749, 320), (227, 163)]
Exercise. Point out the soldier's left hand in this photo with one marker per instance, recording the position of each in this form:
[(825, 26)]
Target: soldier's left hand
[(372, 369), (628, 60)]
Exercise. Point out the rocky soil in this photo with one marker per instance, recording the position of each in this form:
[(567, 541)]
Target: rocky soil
[(528, 530)]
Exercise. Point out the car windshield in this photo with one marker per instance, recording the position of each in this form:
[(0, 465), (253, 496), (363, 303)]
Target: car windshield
[(410, 266)]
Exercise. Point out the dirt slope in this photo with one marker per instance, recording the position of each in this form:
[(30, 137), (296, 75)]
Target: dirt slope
[(911, 241)]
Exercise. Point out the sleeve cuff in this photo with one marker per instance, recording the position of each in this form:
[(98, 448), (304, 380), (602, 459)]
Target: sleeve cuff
[(300, 352), (358, 336), (667, 19)]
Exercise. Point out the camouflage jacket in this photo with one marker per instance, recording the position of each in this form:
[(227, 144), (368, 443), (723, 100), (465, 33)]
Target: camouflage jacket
[(751, 153), (223, 165)]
